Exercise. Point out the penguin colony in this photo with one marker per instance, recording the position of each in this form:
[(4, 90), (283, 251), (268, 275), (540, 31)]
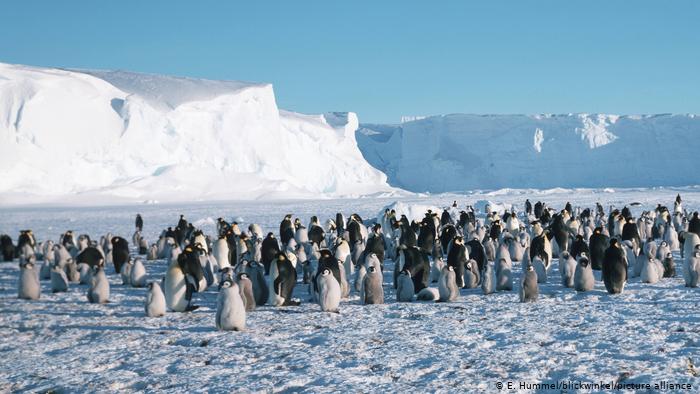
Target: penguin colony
[(433, 258)]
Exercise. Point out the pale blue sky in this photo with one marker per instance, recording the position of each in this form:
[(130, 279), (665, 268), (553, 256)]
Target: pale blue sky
[(384, 59)]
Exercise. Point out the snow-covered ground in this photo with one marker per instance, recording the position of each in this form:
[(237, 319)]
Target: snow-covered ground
[(63, 343)]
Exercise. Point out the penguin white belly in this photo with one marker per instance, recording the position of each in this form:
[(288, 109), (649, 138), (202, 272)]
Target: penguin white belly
[(175, 289), (329, 293)]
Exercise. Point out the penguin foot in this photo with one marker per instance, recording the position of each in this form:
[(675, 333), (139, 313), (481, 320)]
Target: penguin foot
[(191, 308)]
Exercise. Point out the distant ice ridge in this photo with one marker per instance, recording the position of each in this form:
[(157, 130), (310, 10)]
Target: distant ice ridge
[(112, 135), (462, 152)]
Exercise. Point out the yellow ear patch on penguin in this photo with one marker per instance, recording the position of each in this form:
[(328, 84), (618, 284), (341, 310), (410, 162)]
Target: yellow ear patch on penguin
[(188, 249), (282, 257)]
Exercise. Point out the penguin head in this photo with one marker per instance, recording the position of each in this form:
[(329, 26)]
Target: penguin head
[(242, 275), (371, 269), (614, 243), (326, 272), (669, 255), (228, 282), (405, 272), (583, 260), (469, 265), (530, 268), (149, 286), (451, 268)]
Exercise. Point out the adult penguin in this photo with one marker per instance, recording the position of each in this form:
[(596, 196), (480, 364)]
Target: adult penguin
[(694, 224), (90, 256), (328, 291), (408, 236), (283, 278), (614, 268), (426, 235), (120, 252), (579, 246), (339, 223), (139, 222), (495, 231), (26, 237), (477, 253), (286, 229), (269, 249), (375, 244), (191, 267), (528, 207), (446, 236), (417, 265), (568, 208), (232, 244), (328, 261), (630, 232), (182, 223), (445, 218), (457, 259), (316, 234), (354, 232), (539, 209), (8, 248), (597, 246), (560, 231), (539, 248)]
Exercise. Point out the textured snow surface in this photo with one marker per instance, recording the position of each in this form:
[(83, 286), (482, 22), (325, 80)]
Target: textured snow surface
[(464, 152), (63, 343), (119, 136)]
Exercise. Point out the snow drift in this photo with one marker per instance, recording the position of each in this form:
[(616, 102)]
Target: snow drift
[(464, 152), (120, 136)]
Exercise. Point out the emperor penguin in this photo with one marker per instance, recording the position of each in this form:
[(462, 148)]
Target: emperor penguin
[(567, 269), (372, 291), (583, 277), (29, 287), (126, 272), (282, 280), (669, 266), (652, 270), (98, 293), (529, 290), (539, 266), (230, 311), (120, 252), (175, 286), (221, 252), (85, 273), (256, 273), (504, 275), (662, 250), (246, 288), (329, 291), (59, 280), (155, 300), (152, 253), (472, 276), (691, 270), (138, 274), (447, 285), (72, 273), (143, 246), (405, 288), (614, 268), (488, 280)]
